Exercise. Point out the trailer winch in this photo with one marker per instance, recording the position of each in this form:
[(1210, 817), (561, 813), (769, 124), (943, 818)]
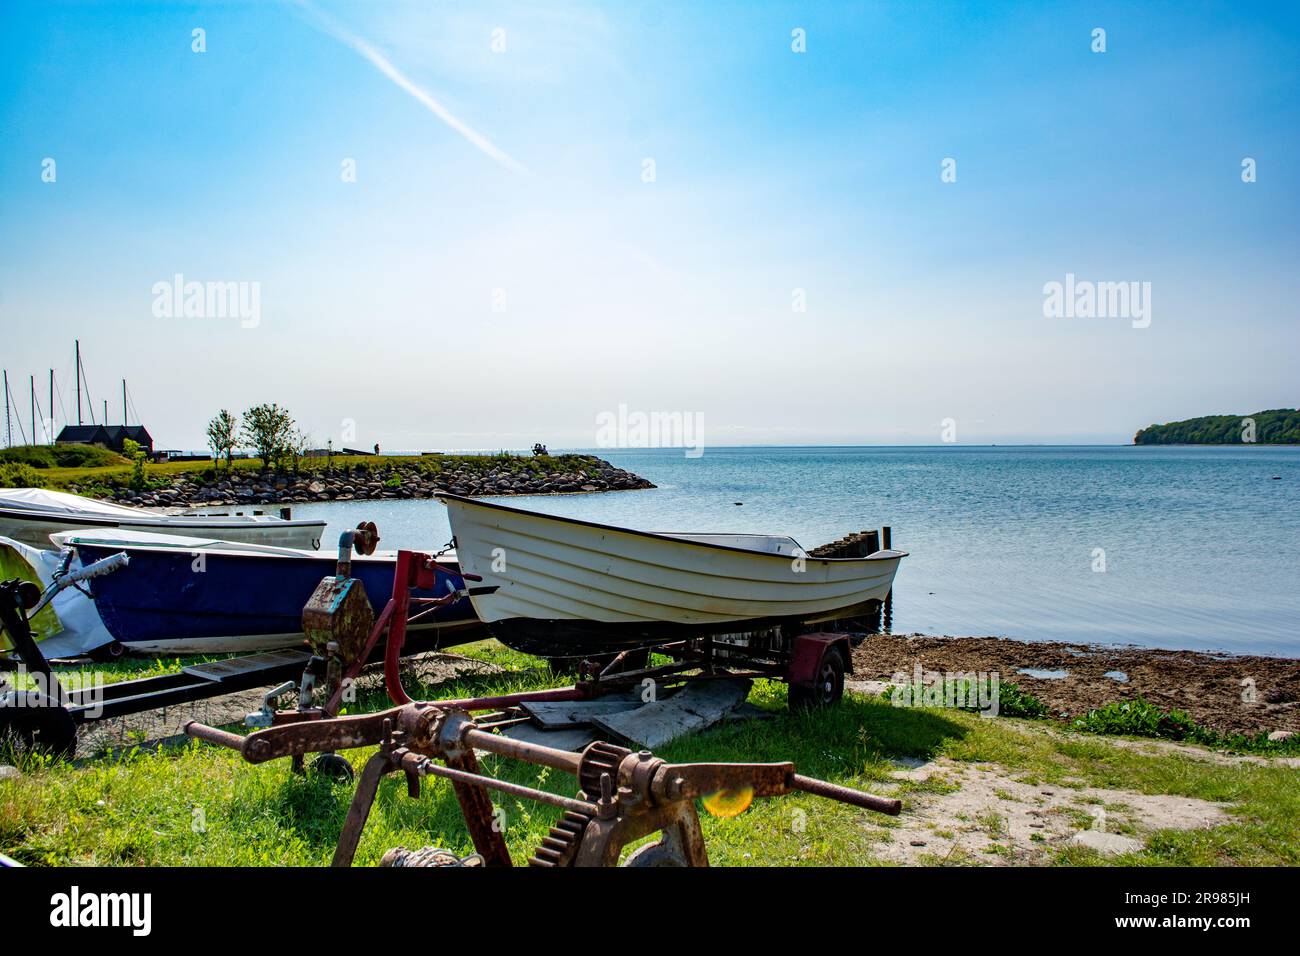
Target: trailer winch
[(623, 795)]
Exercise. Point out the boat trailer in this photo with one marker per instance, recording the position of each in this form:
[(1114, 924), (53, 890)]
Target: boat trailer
[(623, 795)]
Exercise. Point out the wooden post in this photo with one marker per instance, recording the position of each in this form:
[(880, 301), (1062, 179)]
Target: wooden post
[(285, 513), (887, 539), (871, 544)]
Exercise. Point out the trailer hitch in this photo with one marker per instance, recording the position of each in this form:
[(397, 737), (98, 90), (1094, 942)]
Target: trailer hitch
[(623, 795)]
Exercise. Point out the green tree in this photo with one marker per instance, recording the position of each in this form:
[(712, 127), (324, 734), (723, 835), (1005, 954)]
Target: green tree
[(1277, 426), (135, 452), (299, 440), (268, 429), (223, 433)]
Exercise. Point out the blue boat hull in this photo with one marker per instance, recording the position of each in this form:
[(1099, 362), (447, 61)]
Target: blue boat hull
[(161, 602)]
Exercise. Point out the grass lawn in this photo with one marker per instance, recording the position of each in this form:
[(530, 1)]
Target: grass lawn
[(196, 805)]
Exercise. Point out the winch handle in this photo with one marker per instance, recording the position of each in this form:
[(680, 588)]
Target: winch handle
[(833, 791), (692, 780)]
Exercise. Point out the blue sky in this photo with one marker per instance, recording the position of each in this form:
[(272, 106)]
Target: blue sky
[(500, 271)]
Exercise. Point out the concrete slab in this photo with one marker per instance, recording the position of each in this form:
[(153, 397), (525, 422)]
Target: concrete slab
[(560, 715), (699, 705)]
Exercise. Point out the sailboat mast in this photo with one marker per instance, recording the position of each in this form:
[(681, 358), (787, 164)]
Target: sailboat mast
[(9, 435), (78, 348), (32, 381), (51, 433)]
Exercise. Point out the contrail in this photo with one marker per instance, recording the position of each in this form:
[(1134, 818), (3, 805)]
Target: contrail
[(384, 66)]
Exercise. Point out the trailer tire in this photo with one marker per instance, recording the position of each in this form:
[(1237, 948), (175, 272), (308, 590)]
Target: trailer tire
[(334, 767), (108, 653), (659, 854), (32, 722), (828, 685)]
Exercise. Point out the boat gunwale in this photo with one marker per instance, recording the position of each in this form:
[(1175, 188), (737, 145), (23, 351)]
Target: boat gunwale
[(446, 562), (883, 555)]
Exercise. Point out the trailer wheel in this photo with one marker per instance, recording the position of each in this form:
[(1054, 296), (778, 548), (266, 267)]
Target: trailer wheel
[(660, 854), (334, 767), (30, 721), (108, 653), (828, 685)]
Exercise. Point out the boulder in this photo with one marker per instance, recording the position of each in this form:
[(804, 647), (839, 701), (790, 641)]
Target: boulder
[(1111, 844)]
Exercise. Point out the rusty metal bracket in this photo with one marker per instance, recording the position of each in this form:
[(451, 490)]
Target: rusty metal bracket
[(623, 795)]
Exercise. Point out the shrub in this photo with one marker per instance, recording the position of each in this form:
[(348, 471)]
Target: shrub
[(1139, 718), (16, 474), (134, 451), (85, 456), (37, 456)]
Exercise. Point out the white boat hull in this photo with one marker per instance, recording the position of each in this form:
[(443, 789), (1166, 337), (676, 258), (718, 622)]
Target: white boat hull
[(559, 586)]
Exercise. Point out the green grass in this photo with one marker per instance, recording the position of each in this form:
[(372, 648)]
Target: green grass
[(202, 806)]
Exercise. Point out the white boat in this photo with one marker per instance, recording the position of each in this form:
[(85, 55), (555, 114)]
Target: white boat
[(31, 515), (562, 587)]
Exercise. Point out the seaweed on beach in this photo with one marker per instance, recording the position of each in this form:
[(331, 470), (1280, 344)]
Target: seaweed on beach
[(1139, 718)]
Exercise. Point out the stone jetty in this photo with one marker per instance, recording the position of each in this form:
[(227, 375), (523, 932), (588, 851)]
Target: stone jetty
[(387, 478)]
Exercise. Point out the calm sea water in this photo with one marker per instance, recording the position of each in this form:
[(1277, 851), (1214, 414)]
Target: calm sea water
[(1201, 546)]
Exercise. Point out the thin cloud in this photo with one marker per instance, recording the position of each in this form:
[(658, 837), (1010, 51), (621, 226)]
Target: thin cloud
[(381, 63)]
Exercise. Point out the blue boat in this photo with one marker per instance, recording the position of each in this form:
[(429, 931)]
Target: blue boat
[(183, 595)]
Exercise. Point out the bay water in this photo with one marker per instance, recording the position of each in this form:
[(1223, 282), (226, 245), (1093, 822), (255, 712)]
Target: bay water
[(1173, 547)]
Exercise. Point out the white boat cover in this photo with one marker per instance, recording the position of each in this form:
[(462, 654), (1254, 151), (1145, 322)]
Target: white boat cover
[(60, 502), (129, 537)]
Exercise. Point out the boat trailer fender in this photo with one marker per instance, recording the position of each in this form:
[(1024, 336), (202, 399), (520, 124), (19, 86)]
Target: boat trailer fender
[(807, 653)]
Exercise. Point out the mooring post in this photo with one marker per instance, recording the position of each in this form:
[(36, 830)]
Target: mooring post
[(887, 542)]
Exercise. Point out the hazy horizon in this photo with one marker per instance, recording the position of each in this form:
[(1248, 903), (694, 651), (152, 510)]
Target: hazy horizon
[(480, 226)]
